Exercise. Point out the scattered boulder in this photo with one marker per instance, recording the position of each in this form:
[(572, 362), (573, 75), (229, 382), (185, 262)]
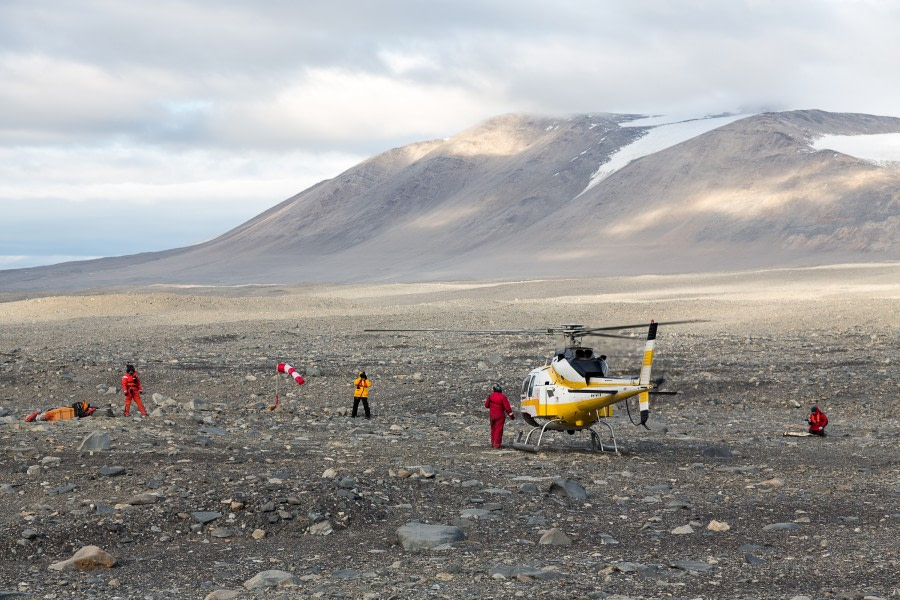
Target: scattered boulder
[(569, 488), (782, 527), (142, 499), (422, 536), (718, 452), (522, 572), (321, 528), (206, 516), (221, 595), (608, 540), (555, 537), (271, 578), (86, 559), (718, 526), (96, 441), (111, 471)]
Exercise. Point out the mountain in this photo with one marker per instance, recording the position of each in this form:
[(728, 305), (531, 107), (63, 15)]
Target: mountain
[(534, 197)]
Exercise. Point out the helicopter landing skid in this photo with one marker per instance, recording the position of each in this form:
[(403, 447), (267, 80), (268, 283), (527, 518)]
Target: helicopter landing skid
[(596, 440)]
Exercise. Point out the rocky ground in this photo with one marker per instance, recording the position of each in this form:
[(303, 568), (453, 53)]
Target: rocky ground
[(216, 495)]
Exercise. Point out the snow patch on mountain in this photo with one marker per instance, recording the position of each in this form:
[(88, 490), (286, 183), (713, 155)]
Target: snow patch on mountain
[(662, 133), (879, 148)]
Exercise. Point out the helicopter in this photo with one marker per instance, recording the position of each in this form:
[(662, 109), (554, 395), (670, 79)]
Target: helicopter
[(574, 391)]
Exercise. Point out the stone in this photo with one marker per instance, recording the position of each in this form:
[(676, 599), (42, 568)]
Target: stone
[(63, 489), (196, 404), (474, 513), (718, 526), (205, 517), (717, 452), (555, 537), (162, 400), (221, 595), (569, 488), (86, 559), (142, 499), (111, 471), (608, 540), (321, 528), (690, 565), (752, 559), (222, 532), (782, 527), (271, 578), (423, 536), (516, 571), (96, 441), (683, 530), (629, 567)]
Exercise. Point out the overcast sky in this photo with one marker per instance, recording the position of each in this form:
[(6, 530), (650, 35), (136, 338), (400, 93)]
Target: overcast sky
[(134, 126)]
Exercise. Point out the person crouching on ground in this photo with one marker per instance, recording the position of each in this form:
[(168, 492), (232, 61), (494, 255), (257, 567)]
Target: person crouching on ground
[(499, 407), (131, 385), (817, 421), (361, 394)]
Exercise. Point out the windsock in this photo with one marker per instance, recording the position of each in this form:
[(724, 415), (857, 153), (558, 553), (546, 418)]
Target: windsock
[(286, 368)]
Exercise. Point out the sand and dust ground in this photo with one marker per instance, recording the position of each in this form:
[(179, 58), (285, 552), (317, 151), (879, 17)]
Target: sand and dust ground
[(806, 517)]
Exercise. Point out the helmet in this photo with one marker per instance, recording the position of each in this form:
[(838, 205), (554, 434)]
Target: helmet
[(814, 409), (129, 368), (497, 387), (362, 375)]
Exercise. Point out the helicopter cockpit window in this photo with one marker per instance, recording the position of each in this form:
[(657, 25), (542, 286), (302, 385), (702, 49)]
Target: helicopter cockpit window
[(528, 388)]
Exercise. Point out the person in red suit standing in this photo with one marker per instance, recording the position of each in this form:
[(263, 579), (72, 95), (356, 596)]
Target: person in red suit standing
[(499, 407), (131, 385)]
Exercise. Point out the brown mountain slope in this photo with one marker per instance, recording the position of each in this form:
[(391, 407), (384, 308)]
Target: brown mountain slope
[(510, 198), (752, 193)]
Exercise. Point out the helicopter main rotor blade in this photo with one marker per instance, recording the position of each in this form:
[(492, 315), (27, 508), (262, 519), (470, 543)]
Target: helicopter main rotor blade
[(640, 325), (606, 335), (498, 331)]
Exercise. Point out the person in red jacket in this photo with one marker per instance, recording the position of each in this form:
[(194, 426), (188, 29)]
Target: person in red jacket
[(817, 421), (131, 385), (499, 407)]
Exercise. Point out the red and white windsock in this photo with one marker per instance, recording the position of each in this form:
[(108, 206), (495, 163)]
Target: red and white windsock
[(286, 368)]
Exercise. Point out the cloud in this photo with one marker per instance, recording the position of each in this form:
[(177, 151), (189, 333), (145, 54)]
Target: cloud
[(190, 103), (115, 200)]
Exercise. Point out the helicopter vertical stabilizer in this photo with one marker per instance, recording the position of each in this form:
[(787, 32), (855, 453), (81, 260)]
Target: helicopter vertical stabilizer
[(647, 364)]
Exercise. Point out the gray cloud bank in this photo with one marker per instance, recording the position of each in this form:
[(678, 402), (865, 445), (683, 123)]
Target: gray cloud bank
[(201, 114)]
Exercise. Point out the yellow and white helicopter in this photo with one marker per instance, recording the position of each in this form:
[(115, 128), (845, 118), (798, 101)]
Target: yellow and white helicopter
[(573, 392)]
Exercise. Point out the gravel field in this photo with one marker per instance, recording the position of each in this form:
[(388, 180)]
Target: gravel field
[(214, 495)]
